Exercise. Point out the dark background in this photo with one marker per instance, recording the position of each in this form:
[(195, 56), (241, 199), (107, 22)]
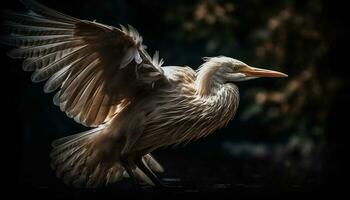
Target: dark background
[(288, 134)]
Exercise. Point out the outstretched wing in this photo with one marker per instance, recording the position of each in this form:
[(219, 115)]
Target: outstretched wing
[(98, 69)]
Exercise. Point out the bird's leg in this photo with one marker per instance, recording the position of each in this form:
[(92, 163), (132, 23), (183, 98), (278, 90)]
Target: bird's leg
[(149, 173), (124, 159), (130, 141)]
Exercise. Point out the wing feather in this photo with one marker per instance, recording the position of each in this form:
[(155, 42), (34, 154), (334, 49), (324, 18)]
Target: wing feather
[(56, 80), (49, 70), (32, 64), (98, 69), (73, 86), (27, 41), (38, 51), (30, 30), (83, 95)]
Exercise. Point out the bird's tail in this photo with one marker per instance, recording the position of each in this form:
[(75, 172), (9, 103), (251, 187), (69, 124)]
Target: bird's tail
[(85, 160)]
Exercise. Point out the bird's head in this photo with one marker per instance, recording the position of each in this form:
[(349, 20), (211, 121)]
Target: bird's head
[(232, 70), (221, 70)]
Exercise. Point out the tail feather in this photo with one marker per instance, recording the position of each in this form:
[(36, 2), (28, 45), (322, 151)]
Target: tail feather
[(81, 162), (75, 160), (74, 138)]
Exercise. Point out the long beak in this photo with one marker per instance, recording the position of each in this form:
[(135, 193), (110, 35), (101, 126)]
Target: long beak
[(256, 72)]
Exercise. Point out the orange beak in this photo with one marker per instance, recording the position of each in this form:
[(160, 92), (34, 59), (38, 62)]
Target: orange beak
[(256, 72)]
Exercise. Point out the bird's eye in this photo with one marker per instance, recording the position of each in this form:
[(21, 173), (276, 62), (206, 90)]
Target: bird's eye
[(236, 68)]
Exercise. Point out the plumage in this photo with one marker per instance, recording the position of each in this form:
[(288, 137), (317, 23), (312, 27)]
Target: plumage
[(105, 79), (32, 30), (38, 51), (33, 64)]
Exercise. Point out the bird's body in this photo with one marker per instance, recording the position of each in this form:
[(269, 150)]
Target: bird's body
[(107, 81), (176, 113), (171, 114)]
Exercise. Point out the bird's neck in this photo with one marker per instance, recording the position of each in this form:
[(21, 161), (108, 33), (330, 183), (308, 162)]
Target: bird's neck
[(207, 81), (219, 107), (228, 101), (221, 98)]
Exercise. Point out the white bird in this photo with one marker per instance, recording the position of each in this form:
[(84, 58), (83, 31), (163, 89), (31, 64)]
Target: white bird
[(105, 79)]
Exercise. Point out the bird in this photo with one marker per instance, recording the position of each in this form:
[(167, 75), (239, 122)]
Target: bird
[(104, 79)]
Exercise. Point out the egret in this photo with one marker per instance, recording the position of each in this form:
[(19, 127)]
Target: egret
[(105, 79)]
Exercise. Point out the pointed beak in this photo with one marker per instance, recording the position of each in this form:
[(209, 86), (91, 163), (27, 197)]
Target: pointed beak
[(256, 72)]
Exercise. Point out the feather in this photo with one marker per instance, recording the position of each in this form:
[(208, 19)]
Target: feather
[(42, 50), (103, 110), (142, 176), (56, 80), (56, 98), (85, 118), (155, 60), (152, 163), (117, 176), (76, 85), (95, 106), (128, 57), (49, 70), (92, 178), (21, 29), (36, 63), (137, 56), (78, 72), (82, 97), (66, 156), (125, 30), (78, 102), (26, 41), (75, 137), (134, 35), (81, 101)]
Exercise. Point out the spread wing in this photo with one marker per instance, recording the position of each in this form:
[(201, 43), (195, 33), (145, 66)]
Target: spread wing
[(98, 69)]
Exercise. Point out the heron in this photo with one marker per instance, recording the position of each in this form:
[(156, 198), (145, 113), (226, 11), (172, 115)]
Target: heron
[(105, 80)]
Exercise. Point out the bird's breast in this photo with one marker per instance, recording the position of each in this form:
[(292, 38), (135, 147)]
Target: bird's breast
[(183, 116)]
